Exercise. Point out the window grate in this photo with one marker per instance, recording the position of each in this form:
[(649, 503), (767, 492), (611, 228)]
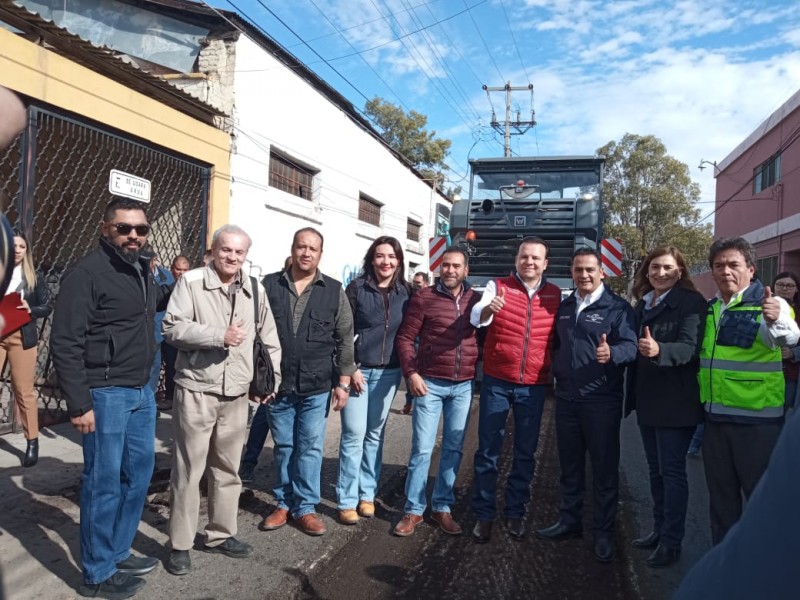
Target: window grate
[(290, 177), (369, 210)]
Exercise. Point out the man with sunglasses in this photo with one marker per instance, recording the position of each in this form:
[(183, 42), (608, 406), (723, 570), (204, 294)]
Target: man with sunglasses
[(102, 345)]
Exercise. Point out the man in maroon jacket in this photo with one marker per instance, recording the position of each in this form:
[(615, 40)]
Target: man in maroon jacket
[(520, 312), (439, 376)]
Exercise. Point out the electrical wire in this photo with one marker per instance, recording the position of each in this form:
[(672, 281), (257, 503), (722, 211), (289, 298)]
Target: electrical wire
[(483, 41), (360, 55), (513, 39)]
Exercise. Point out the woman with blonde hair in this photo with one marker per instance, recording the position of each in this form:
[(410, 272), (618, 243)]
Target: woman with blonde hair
[(20, 346), (664, 390)]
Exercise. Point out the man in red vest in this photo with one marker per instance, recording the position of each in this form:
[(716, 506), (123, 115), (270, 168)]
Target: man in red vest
[(520, 312)]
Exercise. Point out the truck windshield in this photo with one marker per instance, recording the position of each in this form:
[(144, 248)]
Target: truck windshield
[(520, 185)]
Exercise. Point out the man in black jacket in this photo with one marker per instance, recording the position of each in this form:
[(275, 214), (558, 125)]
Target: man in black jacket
[(103, 346), (595, 338)]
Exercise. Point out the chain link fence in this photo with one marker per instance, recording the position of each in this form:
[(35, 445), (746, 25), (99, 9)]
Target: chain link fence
[(54, 186)]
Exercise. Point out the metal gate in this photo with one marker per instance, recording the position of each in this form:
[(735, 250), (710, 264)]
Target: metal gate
[(54, 186)]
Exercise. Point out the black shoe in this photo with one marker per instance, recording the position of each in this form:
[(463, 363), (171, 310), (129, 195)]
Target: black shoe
[(604, 549), (137, 565), (31, 453), (247, 472), (647, 542), (231, 547), (179, 562), (558, 532), (663, 556), (482, 531), (516, 527), (117, 587)]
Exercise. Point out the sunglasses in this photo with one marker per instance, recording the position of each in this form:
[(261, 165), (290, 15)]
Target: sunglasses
[(125, 229)]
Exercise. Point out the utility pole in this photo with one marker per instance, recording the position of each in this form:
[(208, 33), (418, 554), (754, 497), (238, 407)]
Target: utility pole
[(519, 126)]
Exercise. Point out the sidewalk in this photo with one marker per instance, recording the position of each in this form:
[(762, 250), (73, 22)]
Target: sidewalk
[(39, 548)]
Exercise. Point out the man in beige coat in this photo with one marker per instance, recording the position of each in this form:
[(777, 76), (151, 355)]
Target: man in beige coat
[(210, 321)]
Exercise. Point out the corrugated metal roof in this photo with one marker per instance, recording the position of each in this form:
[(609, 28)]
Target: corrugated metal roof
[(106, 62)]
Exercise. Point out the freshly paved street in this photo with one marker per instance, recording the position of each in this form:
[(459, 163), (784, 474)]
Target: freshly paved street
[(39, 544)]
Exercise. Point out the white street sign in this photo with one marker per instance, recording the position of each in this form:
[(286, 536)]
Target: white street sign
[(130, 186)]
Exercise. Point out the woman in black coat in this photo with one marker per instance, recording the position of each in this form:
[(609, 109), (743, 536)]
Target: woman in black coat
[(19, 347), (664, 390)]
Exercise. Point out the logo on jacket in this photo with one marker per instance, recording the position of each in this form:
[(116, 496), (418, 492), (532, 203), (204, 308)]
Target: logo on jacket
[(594, 318)]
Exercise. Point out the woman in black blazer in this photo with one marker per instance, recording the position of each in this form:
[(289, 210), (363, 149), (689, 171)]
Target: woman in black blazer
[(664, 390), (19, 347)]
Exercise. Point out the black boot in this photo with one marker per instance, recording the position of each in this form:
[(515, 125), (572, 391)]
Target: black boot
[(31, 453)]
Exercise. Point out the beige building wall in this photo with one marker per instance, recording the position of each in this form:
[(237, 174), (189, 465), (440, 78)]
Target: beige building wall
[(48, 77)]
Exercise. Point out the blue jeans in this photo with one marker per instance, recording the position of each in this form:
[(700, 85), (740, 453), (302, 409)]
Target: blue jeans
[(259, 429), (453, 400), (118, 461), (361, 445), (497, 398), (298, 430), (665, 449)]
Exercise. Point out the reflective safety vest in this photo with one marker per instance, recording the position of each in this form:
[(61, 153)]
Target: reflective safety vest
[(740, 376)]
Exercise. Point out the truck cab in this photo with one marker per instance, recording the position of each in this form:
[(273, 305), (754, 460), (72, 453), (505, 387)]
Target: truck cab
[(558, 199)]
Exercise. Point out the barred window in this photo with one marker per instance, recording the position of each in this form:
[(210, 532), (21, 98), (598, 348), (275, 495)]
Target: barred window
[(369, 210), (767, 269), (767, 174), (289, 176), (413, 230)]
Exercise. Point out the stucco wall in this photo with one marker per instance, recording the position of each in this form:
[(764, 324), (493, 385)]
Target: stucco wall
[(275, 108)]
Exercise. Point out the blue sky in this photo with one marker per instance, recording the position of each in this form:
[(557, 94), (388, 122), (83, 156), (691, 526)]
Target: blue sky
[(699, 74)]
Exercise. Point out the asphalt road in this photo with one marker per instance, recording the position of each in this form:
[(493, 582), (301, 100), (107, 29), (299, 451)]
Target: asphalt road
[(39, 546), (431, 564)]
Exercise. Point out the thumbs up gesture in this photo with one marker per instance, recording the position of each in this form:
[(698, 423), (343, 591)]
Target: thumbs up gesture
[(603, 350), (498, 302), (770, 307), (647, 345)]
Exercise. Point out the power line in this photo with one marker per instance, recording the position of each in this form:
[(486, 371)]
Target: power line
[(513, 39), (450, 74), (480, 35), (361, 56)]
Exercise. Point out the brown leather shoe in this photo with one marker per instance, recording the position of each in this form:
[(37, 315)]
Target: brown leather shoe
[(274, 520), (348, 516), (407, 525), (446, 523), (311, 524), (366, 509)]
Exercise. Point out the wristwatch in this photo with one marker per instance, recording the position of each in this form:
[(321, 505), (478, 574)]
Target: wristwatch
[(346, 388)]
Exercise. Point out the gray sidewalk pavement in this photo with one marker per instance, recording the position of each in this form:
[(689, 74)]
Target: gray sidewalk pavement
[(39, 548)]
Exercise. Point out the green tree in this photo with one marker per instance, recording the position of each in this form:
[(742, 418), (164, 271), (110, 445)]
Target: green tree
[(649, 201), (406, 134)]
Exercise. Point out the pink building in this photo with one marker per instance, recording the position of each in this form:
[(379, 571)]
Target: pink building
[(758, 194)]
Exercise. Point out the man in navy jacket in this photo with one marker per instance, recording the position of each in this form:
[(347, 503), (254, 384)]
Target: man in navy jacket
[(595, 339)]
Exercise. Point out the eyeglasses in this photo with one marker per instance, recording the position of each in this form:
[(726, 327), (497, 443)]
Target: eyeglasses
[(125, 228), (786, 286)]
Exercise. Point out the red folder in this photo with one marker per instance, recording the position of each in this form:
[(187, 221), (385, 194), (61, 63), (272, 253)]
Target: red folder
[(13, 317)]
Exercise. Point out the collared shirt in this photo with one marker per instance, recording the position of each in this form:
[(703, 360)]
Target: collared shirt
[(488, 295), (783, 332), (342, 326), (582, 303), (649, 304)]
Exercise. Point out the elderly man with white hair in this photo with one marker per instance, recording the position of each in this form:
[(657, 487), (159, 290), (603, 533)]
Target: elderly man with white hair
[(211, 320)]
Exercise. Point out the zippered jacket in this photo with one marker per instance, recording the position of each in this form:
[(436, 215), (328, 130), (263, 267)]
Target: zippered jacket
[(741, 378), (103, 325), (519, 339), (199, 313), (448, 345), (579, 377), (375, 323)]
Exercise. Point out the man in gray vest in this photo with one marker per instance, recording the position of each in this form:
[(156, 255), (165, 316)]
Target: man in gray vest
[(315, 326)]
